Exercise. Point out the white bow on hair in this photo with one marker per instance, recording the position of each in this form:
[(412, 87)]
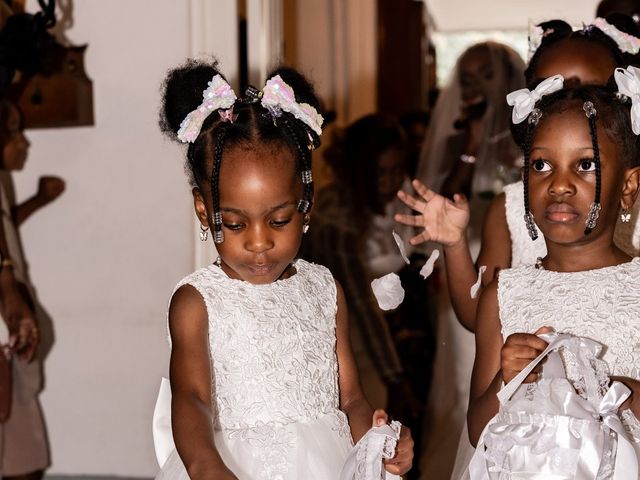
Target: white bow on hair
[(218, 95), (524, 100), (628, 82)]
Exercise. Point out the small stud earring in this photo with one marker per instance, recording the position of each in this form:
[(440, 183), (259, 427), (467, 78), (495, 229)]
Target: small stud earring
[(625, 216), (204, 233)]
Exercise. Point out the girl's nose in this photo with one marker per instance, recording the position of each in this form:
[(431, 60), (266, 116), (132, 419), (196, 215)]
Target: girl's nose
[(258, 239), (24, 140), (562, 185)]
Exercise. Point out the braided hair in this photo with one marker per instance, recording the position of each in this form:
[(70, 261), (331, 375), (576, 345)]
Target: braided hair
[(251, 122), (556, 31), (602, 108)]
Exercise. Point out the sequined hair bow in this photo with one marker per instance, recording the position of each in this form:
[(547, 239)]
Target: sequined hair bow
[(628, 81), (626, 43), (536, 34), (217, 96), (276, 97), (524, 100)]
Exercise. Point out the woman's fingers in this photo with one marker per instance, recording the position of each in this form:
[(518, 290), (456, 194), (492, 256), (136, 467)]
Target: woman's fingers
[(412, 220), (422, 190), (420, 238), (411, 201)]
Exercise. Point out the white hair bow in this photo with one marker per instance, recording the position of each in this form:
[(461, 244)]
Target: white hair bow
[(524, 100), (218, 95), (628, 82)]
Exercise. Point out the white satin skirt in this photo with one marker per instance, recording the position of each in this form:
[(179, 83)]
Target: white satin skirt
[(314, 450)]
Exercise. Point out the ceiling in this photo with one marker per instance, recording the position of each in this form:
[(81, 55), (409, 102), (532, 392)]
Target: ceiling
[(460, 15)]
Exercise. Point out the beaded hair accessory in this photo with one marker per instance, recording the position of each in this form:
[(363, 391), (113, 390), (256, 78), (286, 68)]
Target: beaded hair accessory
[(594, 210), (626, 43)]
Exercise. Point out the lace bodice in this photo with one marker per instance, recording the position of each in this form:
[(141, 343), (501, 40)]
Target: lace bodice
[(602, 304), (272, 346), (524, 251)]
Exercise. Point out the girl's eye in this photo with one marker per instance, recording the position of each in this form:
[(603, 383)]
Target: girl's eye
[(233, 226), (540, 166), (587, 165), (280, 223)]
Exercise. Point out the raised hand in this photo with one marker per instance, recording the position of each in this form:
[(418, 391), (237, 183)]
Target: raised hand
[(518, 351), (21, 322), (50, 188), (444, 221)]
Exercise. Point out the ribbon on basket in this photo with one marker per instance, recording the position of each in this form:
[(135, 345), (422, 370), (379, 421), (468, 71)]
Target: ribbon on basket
[(365, 460), (578, 427)]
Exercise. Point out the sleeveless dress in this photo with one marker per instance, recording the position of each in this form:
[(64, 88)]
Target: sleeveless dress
[(602, 304), (24, 447), (275, 397), (525, 251)]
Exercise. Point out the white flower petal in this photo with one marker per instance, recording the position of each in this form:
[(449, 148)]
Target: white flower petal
[(400, 244), (388, 291), (427, 268)]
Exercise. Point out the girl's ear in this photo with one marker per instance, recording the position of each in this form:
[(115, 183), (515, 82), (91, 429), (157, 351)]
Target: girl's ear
[(630, 187), (200, 207)]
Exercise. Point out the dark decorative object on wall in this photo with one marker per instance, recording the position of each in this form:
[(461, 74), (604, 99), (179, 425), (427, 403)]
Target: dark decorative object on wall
[(52, 88), (62, 98)]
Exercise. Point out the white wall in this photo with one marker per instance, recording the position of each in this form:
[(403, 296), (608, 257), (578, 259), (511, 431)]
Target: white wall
[(452, 15), (107, 254)]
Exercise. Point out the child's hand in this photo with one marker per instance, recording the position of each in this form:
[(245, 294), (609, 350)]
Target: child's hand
[(403, 460), (518, 351), (633, 402), (20, 319), (50, 188), (444, 221)]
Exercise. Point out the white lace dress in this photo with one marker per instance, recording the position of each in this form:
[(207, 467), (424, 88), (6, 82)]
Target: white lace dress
[(525, 251), (275, 376), (602, 304)]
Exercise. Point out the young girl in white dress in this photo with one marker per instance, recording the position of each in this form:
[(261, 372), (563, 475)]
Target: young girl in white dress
[(263, 381), (581, 173)]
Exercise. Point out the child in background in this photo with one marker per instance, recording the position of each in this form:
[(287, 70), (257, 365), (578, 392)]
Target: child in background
[(581, 172), (23, 439), (263, 380)]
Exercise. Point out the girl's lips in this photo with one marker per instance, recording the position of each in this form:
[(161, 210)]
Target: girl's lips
[(260, 268), (561, 213)]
